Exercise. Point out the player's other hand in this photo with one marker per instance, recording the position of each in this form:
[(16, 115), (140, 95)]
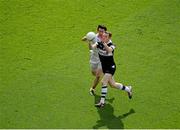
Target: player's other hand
[(104, 43), (84, 38)]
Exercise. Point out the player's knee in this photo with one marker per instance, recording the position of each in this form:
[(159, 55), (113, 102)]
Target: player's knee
[(111, 84), (104, 83), (98, 73)]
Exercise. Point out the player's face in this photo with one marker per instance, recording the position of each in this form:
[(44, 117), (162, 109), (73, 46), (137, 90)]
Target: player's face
[(105, 37), (100, 31)]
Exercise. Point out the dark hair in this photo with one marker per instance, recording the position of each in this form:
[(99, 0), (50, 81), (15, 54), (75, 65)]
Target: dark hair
[(109, 33), (102, 27)]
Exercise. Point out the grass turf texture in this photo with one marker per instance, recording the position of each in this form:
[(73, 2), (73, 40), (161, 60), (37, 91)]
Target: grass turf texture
[(44, 68)]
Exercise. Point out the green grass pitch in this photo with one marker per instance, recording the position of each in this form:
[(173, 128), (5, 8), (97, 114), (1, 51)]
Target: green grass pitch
[(44, 66)]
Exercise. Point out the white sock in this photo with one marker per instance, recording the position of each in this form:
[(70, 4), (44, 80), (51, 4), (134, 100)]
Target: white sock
[(122, 87), (103, 94), (102, 100)]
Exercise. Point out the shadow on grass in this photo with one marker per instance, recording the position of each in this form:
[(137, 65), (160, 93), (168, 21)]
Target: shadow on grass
[(107, 117)]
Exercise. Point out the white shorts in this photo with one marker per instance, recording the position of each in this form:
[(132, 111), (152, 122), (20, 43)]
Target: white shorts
[(95, 66)]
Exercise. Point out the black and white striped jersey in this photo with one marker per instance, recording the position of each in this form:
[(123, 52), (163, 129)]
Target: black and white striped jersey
[(105, 57)]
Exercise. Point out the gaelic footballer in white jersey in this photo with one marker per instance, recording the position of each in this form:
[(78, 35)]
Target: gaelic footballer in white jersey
[(94, 56), (95, 63)]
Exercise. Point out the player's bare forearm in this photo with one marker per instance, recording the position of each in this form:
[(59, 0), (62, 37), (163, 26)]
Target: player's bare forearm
[(93, 46), (108, 49)]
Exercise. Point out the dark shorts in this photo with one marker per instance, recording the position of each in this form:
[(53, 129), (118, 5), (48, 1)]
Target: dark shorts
[(110, 69)]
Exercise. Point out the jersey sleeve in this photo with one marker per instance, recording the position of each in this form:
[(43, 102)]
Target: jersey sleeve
[(98, 44), (112, 46)]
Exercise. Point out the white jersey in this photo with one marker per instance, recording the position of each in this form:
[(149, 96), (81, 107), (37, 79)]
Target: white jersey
[(94, 56)]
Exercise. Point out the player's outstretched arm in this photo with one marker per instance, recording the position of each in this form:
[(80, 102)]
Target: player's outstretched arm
[(85, 40)]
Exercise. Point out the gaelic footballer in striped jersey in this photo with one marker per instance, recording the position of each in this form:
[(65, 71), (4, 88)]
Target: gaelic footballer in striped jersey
[(106, 54)]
